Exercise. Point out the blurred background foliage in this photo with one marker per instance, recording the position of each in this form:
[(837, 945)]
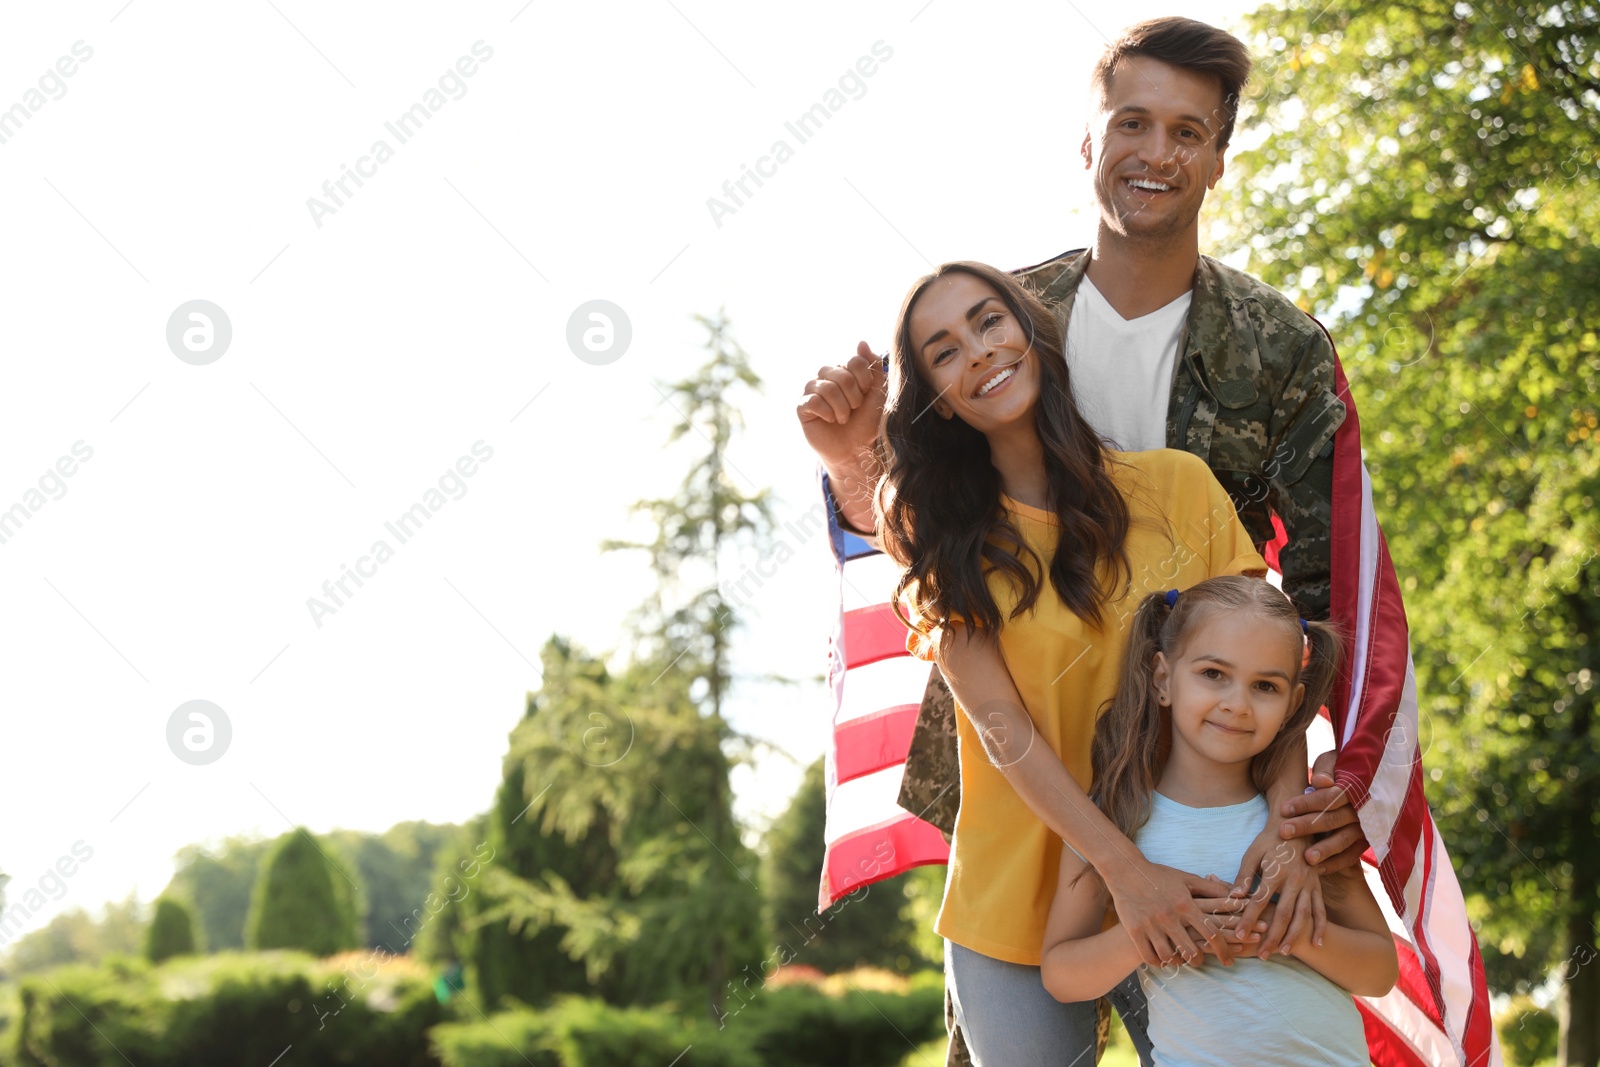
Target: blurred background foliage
[(1427, 186)]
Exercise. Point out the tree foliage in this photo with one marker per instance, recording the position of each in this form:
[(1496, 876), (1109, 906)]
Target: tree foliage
[(872, 927), (1429, 182), (76, 936), (639, 754)]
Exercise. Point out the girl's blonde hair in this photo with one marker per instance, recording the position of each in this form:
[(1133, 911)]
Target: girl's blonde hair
[(1133, 736)]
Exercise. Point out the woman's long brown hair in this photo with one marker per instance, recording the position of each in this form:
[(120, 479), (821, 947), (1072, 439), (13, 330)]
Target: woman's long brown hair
[(938, 501), (1133, 736)]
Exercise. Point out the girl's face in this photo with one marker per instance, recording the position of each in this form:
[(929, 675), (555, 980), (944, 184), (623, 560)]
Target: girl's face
[(972, 352), (1231, 686)]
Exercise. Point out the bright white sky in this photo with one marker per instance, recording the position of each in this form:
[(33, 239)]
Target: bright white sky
[(427, 313)]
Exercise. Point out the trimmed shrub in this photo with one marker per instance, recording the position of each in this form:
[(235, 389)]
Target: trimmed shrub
[(799, 1025), (304, 898), (171, 931), (232, 1008), (87, 1017)]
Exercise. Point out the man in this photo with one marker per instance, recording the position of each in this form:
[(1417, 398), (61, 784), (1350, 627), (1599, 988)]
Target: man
[(1167, 348)]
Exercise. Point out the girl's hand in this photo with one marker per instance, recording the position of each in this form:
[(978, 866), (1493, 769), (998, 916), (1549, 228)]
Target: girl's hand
[(1156, 906), (1222, 914), (1283, 873)]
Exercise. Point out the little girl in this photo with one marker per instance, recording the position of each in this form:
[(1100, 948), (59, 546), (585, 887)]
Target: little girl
[(1212, 692)]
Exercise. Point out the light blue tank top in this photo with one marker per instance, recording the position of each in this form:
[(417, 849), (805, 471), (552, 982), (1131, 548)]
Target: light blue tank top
[(1262, 1012)]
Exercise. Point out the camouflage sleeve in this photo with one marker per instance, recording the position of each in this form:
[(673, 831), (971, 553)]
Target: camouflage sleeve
[(931, 786), (1307, 415)]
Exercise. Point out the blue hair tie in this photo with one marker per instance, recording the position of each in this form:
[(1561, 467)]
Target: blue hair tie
[(1172, 597), (1305, 627)]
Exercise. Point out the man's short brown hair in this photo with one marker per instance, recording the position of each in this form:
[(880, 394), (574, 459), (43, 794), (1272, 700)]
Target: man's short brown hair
[(1188, 45)]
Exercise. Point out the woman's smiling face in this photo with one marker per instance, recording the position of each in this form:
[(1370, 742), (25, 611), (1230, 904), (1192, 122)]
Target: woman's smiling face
[(973, 353)]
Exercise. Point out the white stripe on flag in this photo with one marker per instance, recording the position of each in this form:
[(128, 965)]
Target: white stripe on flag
[(869, 581), (865, 801), (876, 686)]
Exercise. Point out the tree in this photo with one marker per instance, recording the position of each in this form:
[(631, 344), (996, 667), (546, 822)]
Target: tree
[(396, 872), (1430, 178), (501, 955), (306, 898), (641, 753), (75, 936), (870, 927), (171, 931), (219, 880)]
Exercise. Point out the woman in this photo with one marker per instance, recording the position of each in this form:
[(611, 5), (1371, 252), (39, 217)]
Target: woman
[(1026, 546)]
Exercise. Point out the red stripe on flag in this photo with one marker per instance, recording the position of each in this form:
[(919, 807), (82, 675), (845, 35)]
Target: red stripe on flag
[(1413, 981), (872, 634), (878, 852), (1273, 548), (1385, 1046), (874, 741), (1480, 1027), (1388, 647)]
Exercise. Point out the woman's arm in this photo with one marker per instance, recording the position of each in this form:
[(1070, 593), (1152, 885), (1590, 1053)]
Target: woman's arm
[(1357, 953), (1080, 961), (1155, 903)]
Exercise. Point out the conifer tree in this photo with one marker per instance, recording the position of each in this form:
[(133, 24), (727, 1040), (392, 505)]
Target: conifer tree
[(171, 931), (305, 898)]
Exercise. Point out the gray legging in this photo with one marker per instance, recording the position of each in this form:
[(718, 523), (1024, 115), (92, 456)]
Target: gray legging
[(1009, 1020)]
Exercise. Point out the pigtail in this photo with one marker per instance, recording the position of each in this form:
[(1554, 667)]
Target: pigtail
[(1324, 651), (1133, 735)]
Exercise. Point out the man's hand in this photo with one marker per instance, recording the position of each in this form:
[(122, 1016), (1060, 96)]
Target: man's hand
[(1326, 811), (1283, 873), (1156, 905)]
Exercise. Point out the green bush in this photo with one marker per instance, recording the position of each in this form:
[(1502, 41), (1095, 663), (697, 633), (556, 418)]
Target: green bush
[(86, 1017), (1528, 1033), (787, 1026), (800, 1025), (587, 1032), (232, 1008), (505, 1039), (171, 931)]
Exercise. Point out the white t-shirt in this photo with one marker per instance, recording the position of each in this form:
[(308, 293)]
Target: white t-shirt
[(1120, 369)]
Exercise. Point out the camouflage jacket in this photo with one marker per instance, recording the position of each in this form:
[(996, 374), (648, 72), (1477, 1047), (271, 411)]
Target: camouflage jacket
[(1253, 396)]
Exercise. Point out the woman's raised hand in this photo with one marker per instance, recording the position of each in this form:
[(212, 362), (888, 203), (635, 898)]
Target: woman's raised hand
[(1157, 906), (842, 405)]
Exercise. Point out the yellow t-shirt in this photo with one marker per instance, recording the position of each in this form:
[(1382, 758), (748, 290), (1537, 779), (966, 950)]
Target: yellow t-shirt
[(1003, 859)]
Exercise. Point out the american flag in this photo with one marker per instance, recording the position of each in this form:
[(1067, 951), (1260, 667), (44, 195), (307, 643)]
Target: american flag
[(1438, 1012)]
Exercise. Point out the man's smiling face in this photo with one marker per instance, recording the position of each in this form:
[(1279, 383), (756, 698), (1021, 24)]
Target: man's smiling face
[(1152, 146)]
